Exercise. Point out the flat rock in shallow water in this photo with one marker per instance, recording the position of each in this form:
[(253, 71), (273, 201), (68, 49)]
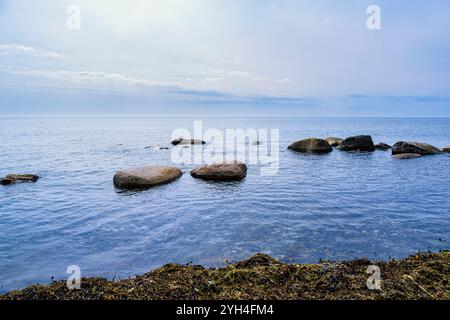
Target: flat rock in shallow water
[(333, 141), (382, 146), (182, 141), (14, 178), (311, 145), (446, 149), (404, 156), (221, 171), (145, 177), (414, 147), (357, 143)]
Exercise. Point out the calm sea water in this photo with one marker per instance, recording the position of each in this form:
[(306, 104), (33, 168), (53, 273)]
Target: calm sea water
[(336, 206)]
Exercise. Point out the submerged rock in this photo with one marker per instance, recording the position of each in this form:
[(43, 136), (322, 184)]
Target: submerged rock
[(182, 141), (311, 145), (382, 146), (221, 171), (14, 178), (414, 147), (145, 177), (404, 156), (157, 147), (357, 143), (333, 141)]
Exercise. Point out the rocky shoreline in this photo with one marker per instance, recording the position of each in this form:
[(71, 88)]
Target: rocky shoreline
[(420, 276)]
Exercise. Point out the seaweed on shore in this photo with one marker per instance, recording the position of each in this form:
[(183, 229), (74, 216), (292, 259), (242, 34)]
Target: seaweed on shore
[(420, 276)]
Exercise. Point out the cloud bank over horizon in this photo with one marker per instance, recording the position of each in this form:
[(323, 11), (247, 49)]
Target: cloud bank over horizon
[(219, 57)]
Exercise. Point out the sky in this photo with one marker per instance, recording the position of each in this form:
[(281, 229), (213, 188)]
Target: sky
[(224, 57)]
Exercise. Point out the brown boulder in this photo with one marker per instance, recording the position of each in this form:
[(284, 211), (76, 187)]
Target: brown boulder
[(145, 177), (414, 147), (14, 178), (311, 145), (221, 171)]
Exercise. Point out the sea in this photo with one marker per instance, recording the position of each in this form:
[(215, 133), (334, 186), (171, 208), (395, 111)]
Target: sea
[(312, 207)]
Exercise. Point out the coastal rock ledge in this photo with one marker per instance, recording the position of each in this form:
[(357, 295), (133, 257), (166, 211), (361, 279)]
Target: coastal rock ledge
[(145, 177), (414, 147), (357, 143), (311, 145), (221, 171)]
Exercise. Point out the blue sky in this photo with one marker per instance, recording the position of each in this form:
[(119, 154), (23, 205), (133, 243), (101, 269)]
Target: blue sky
[(256, 57)]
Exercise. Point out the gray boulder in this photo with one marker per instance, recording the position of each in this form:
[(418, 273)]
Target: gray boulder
[(357, 143), (311, 145), (145, 177), (414, 147), (221, 171)]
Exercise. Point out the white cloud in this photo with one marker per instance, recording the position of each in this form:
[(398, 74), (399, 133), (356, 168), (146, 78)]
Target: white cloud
[(88, 77), (221, 75), (19, 49)]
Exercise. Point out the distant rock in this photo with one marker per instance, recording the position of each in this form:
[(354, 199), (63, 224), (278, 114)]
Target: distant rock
[(182, 141), (311, 145), (256, 143), (382, 146), (157, 147), (404, 156), (145, 177), (446, 149), (14, 178), (333, 141), (221, 171), (414, 147), (357, 143)]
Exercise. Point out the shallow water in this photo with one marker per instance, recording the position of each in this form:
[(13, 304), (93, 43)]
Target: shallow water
[(335, 206)]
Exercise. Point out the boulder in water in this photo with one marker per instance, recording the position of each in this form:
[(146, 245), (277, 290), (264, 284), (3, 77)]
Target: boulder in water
[(446, 149), (311, 145), (414, 147), (145, 177), (221, 171), (382, 146), (182, 141), (14, 178), (357, 143)]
